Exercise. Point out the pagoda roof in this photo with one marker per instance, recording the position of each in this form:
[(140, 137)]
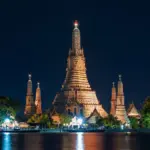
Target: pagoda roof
[(132, 111), (92, 119), (94, 113), (54, 112)]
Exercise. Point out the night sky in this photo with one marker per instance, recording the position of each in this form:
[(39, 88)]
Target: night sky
[(35, 37)]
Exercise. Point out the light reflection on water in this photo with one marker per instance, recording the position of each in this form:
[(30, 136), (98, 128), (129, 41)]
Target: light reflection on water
[(79, 141), (6, 141), (73, 141)]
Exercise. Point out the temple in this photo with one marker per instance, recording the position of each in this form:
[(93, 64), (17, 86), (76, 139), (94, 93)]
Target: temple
[(38, 99), (76, 96), (30, 106)]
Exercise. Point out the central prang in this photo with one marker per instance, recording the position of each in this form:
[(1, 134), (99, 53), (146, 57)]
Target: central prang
[(76, 96)]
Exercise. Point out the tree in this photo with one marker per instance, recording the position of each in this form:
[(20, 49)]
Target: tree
[(6, 112), (145, 112), (146, 106), (100, 121), (134, 122), (7, 108), (42, 119), (109, 121), (146, 120), (64, 119), (10, 102), (34, 119)]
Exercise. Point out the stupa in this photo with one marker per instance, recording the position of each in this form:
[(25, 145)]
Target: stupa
[(76, 96)]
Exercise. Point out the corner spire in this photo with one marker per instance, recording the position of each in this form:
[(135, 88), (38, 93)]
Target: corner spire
[(113, 94), (29, 85), (120, 86), (113, 99), (30, 105), (113, 84), (38, 92), (38, 84), (38, 102), (120, 77)]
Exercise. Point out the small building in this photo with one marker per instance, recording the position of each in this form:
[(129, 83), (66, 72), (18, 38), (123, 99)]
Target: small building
[(133, 112), (92, 119), (55, 116)]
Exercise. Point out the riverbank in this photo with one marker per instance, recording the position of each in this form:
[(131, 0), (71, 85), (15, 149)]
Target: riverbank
[(107, 131)]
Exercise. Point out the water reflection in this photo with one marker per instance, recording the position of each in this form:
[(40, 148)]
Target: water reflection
[(79, 141), (94, 141), (6, 141), (74, 141), (34, 142), (120, 142)]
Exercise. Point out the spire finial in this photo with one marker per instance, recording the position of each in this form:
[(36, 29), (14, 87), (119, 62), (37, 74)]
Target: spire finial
[(120, 77), (29, 76), (38, 84), (113, 83), (76, 24)]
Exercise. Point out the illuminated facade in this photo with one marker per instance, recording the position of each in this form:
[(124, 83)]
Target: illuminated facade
[(76, 96), (133, 112)]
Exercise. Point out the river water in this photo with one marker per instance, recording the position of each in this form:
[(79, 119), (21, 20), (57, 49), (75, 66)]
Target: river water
[(73, 141)]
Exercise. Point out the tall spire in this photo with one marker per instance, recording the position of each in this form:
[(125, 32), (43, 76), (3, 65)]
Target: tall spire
[(113, 100), (38, 99), (76, 46), (29, 85), (120, 86)]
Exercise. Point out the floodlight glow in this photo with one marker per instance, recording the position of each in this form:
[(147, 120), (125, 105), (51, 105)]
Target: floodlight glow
[(7, 120), (79, 121), (76, 24), (122, 127)]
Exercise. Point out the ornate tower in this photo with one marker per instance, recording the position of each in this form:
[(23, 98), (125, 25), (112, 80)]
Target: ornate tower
[(113, 100), (38, 102), (76, 95), (30, 106), (120, 107)]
